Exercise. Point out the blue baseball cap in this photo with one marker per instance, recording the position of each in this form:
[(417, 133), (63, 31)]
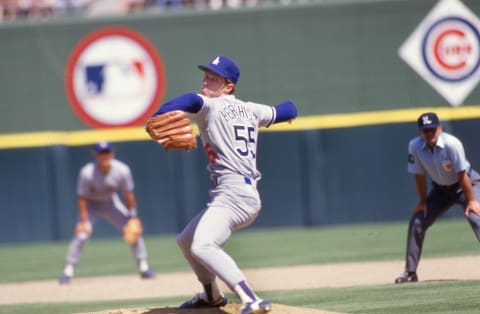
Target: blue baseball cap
[(224, 67), (428, 120), (103, 146)]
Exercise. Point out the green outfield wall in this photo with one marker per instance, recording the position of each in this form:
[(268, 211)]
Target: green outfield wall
[(342, 161), (328, 58), (313, 177)]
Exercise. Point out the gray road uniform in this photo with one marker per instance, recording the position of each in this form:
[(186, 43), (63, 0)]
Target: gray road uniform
[(442, 165), (229, 131), (104, 202)]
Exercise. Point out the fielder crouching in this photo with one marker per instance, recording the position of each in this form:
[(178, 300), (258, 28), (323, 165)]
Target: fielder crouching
[(97, 186)]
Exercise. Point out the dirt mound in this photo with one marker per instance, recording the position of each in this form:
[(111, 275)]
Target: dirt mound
[(231, 308)]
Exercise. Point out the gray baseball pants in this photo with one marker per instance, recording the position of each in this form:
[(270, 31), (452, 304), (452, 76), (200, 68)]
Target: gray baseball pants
[(439, 200), (115, 213)]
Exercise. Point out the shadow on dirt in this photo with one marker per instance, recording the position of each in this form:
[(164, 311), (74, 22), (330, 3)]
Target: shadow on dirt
[(178, 311)]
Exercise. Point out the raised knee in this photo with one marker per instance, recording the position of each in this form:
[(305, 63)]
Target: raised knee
[(199, 249)]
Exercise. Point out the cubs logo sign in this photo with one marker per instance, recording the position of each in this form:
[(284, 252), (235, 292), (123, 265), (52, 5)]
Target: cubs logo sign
[(445, 50), (114, 78), (450, 49)]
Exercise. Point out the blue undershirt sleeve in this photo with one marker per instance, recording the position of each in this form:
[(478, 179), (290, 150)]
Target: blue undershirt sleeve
[(285, 111), (189, 102)]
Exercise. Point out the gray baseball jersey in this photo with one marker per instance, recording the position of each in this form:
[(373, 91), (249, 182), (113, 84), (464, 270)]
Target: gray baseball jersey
[(99, 187), (442, 163), (229, 131)]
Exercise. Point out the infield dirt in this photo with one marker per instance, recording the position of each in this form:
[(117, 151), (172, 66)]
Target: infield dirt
[(262, 279)]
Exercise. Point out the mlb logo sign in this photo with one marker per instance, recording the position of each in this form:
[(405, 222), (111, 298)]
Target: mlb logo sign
[(114, 78), (445, 50)]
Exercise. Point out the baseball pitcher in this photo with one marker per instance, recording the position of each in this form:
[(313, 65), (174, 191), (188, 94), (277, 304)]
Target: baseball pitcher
[(229, 132)]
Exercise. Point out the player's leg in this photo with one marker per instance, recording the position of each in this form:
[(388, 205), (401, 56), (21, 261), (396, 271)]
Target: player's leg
[(474, 221), (226, 214), (212, 296), (117, 214), (201, 242), (438, 202), (473, 218), (75, 249), (213, 231)]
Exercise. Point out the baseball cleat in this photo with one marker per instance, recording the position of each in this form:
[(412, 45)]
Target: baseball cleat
[(256, 307), (64, 279), (407, 277), (147, 274), (198, 302)]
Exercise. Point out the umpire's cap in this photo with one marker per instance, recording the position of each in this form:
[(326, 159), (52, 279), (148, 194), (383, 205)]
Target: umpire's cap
[(103, 146), (428, 120), (224, 67)]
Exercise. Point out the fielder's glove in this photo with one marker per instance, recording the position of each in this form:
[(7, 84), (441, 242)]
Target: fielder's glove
[(172, 130), (132, 230)]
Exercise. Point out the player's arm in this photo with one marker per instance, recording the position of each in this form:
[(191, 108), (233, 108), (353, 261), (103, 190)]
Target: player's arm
[(416, 168), (421, 187), (130, 202), (170, 125), (285, 111), (466, 185), (83, 226), (82, 204), (127, 187), (189, 102)]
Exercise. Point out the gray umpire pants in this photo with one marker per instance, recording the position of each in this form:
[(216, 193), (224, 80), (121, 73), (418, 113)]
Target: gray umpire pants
[(439, 200)]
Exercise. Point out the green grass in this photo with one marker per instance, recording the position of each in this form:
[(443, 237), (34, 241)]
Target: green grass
[(263, 248), (431, 297), (250, 248)]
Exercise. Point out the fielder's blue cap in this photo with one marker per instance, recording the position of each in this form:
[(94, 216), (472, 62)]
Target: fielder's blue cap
[(224, 67), (428, 120), (103, 146)]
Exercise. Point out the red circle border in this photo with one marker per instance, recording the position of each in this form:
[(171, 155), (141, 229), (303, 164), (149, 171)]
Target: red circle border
[(89, 39)]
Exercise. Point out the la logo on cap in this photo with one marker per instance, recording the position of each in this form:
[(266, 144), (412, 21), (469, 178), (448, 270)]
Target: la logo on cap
[(426, 120), (216, 61)]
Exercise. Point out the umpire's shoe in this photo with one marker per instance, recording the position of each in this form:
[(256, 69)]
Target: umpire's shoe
[(198, 302), (256, 307), (408, 276)]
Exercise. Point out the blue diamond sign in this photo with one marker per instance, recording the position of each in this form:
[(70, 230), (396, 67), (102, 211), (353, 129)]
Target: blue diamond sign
[(444, 50)]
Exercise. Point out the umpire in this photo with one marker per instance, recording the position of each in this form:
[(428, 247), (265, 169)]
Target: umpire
[(440, 156)]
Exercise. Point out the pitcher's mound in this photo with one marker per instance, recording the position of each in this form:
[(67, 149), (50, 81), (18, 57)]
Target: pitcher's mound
[(231, 308)]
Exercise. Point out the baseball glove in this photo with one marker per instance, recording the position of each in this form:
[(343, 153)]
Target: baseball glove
[(172, 130), (132, 230)]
